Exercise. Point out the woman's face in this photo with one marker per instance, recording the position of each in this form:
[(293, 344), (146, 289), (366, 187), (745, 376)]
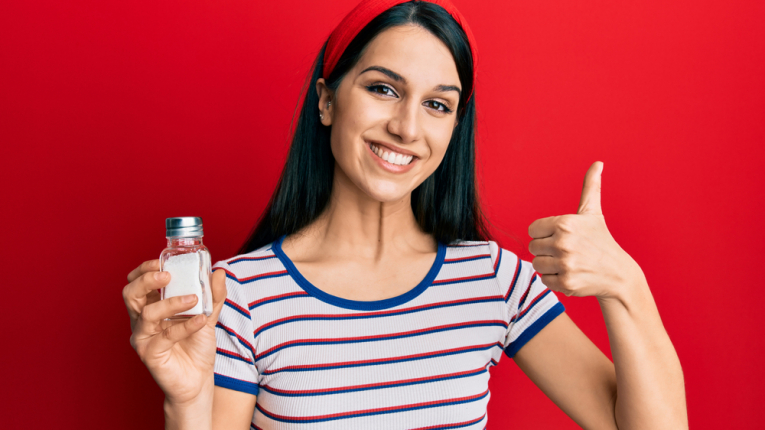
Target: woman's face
[(394, 113)]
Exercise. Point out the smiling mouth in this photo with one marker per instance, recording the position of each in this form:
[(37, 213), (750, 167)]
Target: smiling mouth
[(390, 156)]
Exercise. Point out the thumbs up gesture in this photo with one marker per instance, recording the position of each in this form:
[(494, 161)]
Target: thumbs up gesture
[(576, 255)]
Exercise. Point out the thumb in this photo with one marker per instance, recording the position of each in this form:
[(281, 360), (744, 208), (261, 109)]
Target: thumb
[(590, 202)]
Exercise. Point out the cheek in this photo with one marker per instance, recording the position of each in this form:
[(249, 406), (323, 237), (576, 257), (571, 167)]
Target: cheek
[(439, 138)]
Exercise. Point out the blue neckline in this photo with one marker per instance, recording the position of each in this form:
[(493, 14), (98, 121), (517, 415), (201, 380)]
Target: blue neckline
[(358, 304)]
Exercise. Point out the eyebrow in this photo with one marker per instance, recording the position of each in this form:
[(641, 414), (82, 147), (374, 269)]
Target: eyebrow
[(398, 78)]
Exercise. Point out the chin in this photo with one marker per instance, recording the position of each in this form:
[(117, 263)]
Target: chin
[(386, 192)]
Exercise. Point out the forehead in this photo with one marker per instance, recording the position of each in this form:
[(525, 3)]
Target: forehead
[(413, 52)]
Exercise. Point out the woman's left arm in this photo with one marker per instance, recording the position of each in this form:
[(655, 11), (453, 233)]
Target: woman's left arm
[(644, 388)]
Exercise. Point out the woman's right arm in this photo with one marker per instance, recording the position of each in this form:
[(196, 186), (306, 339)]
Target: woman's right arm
[(232, 409), (180, 355)]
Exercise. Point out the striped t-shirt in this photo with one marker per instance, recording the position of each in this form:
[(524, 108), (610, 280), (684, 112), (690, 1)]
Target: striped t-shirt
[(416, 361)]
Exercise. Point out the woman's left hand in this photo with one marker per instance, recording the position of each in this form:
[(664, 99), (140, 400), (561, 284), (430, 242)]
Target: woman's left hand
[(576, 254)]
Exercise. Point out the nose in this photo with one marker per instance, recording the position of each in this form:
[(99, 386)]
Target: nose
[(405, 122)]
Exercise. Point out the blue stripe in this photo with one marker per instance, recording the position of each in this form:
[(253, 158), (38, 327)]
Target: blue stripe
[(480, 257), (236, 384), (232, 356), (366, 316), (400, 360), (338, 342), (278, 275), (240, 311), (393, 384), (363, 414), (237, 338), (532, 305), (534, 328), (250, 259), (468, 246), (516, 276), (527, 293), (488, 276), (499, 262), (279, 299), (459, 426)]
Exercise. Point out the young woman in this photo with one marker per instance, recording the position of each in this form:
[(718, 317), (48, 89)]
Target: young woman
[(369, 295)]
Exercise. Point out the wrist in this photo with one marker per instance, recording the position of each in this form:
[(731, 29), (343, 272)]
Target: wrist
[(631, 292), (192, 414)]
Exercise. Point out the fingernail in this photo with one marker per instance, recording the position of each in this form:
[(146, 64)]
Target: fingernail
[(188, 298), (160, 276), (199, 319)]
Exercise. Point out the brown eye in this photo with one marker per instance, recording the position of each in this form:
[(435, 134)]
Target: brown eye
[(381, 89), (438, 106)]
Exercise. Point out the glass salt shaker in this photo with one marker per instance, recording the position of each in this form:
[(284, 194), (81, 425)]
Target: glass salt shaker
[(188, 262)]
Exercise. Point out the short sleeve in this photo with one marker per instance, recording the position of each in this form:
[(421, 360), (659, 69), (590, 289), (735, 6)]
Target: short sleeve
[(530, 304), (235, 357)]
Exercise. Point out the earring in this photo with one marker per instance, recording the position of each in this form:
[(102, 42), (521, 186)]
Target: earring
[(321, 116), (328, 104)]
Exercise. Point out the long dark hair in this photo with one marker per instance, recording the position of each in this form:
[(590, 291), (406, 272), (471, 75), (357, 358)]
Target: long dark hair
[(445, 205)]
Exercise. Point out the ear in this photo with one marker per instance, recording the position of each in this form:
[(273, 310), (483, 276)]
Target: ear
[(326, 96)]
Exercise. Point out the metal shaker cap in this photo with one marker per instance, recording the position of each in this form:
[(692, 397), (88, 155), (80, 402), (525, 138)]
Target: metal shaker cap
[(185, 226)]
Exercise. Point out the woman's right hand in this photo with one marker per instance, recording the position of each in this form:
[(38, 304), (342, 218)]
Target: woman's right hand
[(179, 354)]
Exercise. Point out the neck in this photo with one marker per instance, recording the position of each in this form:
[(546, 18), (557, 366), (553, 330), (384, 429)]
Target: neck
[(356, 223)]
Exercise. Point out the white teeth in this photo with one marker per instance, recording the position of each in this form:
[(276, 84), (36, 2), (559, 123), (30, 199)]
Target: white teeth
[(392, 157)]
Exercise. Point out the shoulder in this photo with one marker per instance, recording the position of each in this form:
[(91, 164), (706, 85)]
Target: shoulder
[(506, 267), (245, 268), (499, 257)]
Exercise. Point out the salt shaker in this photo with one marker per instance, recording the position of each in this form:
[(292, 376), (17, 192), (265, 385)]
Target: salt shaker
[(188, 262)]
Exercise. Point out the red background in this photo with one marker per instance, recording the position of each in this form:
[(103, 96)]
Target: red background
[(115, 115)]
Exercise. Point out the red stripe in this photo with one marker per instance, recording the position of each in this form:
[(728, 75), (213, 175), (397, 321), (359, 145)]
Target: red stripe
[(536, 299), (265, 299), (236, 260), (247, 312), (452, 260), (227, 352), (377, 410), (515, 277), (377, 336), (382, 360), (374, 314), (443, 281), (231, 331), (281, 272), (445, 426), (379, 384)]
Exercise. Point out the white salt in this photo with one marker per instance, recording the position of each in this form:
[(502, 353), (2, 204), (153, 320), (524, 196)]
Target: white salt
[(184, 279)]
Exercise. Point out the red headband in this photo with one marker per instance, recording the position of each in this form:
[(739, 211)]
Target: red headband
[(365, 12)]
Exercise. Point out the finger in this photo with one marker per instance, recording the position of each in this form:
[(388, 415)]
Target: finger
[(218, 284), (176, 333), (154, 313), (146, 266), (552, 282), (164, 324), (543, 246), (542, 227), (546, 265), (590, 201), (135, 293)]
